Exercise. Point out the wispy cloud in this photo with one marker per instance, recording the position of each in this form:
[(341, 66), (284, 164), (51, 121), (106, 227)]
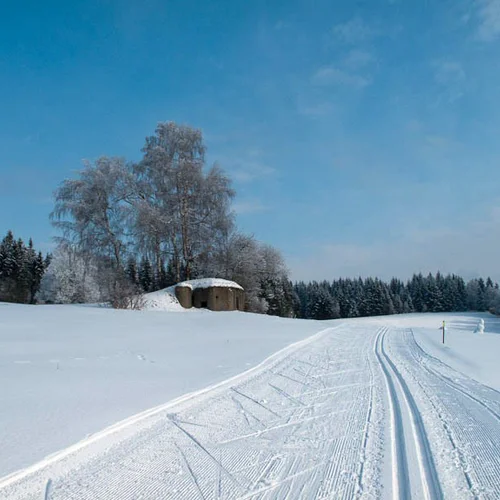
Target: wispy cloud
[(315, 110), (451, 76), (354, 31), (357, 59), (251, 206), (439, 142), (329, 75), (447, 72), (489, 20), (248, 170)]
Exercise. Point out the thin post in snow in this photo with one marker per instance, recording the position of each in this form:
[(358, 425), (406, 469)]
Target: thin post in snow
[(444, 328), (47, 489)]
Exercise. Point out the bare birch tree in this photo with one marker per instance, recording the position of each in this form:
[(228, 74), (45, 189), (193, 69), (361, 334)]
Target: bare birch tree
[(180, 209), (92, 211)]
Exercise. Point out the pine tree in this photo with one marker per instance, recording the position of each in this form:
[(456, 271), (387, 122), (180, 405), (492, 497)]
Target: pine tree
[(162, 277), (37, 272), (21, 270), (321, 304), (131, 271), (482, 306), (416, 288), (170, 274), (146, 278)]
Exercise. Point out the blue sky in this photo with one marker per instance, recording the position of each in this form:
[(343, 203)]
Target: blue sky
[(362, 137)]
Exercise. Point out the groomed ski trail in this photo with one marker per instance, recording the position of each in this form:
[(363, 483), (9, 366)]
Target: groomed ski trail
[(356, 411), (408, 439)]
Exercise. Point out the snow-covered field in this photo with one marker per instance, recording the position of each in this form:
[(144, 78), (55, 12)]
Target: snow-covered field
[(68, 371), (372, 407)]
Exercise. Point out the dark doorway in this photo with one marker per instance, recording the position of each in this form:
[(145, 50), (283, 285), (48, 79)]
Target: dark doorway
[(204, 304), (238, 303)]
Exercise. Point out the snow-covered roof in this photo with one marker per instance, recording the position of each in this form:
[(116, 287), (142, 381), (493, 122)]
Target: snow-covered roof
[(209, 283)]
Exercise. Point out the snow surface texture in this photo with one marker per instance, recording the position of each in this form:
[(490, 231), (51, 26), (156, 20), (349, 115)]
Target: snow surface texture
[(361, 409), (466, 351), (163, 300), (68, 371), (208, 283)]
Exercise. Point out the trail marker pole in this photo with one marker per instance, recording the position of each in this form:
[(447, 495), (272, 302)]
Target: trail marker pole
[(444, 327)]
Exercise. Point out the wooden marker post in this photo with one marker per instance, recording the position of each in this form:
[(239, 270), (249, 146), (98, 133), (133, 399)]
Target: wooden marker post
[(444, 327)]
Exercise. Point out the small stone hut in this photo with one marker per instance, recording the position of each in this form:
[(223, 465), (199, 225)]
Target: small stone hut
[(211, 293)]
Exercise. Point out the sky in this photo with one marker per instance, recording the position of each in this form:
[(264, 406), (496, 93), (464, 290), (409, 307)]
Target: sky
[(362, 136)]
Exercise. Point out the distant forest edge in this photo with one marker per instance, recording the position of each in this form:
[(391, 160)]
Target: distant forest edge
[(21, 270), (127, 228), (23, 279)]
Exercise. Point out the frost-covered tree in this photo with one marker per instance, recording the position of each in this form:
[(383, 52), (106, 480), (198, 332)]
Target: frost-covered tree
[(475, 297), (181, 210), (69, 279), (92, 211), (279, 295), (258, 268), (494, 304)]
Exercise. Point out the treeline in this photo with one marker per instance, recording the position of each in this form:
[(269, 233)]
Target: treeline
[(131, 227), (72, 276), (351, 298), (21, 270)]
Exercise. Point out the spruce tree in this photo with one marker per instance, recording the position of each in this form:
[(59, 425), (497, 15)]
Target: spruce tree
[(131, 271), (21, 270), (146, 278)]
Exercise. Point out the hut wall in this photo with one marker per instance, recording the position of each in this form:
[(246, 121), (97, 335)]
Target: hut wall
[(184, 295), (200, 298), (214, 298)]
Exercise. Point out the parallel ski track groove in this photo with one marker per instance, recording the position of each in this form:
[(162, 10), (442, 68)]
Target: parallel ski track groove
[(451, 382), (476, 477), (368, 423), (400, 480), (429, 477), (304, 419)]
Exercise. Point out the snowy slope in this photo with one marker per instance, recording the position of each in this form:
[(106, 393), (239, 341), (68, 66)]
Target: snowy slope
[(67, 371), (362, 409), (476, 355), (163, 300)]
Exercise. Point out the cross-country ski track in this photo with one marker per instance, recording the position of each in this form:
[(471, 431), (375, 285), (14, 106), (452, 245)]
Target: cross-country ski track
[(359, 410)]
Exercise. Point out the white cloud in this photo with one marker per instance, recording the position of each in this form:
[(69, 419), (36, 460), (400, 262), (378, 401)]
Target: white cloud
[(470, 251), (315, 110), (489, 20), (251, 206), (451, 76), (329, 75), (448, 72), (354, 31), (357, 59), (247, 171), (440, 142)]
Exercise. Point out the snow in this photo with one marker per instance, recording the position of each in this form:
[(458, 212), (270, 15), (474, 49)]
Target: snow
[(208, 283), (163, 300), (68, 371), (476, 355), (369, 407)]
